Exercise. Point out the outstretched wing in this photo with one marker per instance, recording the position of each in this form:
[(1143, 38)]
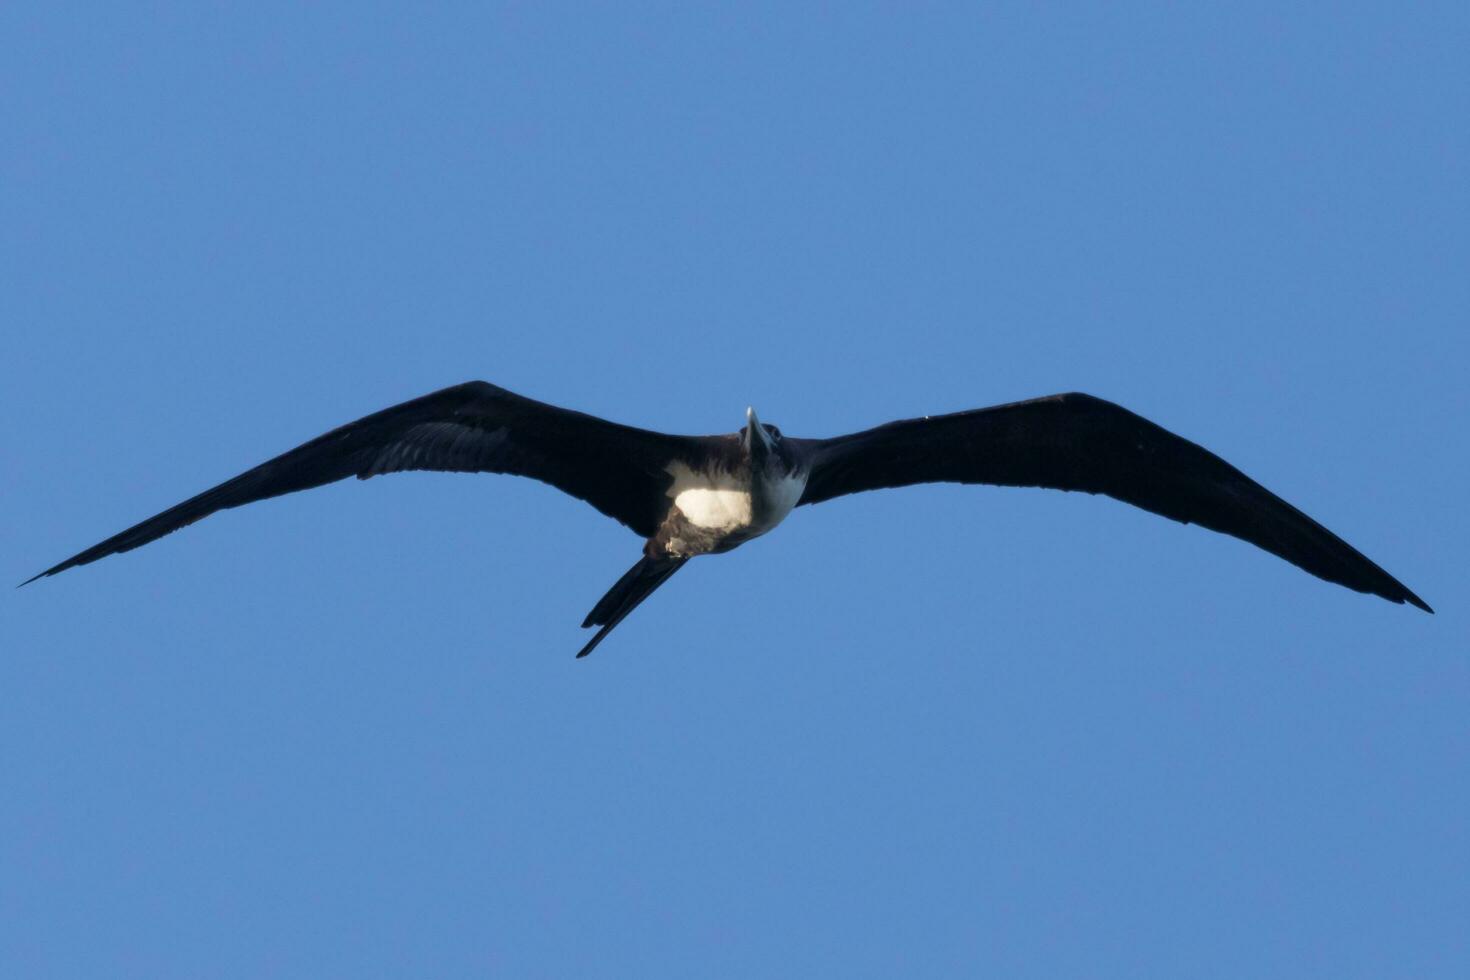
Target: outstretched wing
[(1078, 442), (473, 427)]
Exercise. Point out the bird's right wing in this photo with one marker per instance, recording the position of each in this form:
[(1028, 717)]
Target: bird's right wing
[(472, 427), (1078, 442)]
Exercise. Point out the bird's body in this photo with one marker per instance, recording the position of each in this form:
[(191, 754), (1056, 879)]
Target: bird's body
[(689, 496), (724, 504)]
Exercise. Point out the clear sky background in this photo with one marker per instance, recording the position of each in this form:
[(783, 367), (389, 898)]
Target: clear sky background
[(933, 732)]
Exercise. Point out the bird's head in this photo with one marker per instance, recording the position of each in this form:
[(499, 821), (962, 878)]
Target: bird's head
[(763, 444)]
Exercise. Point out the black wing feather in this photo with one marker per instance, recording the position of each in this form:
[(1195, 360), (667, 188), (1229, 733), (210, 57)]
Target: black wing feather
[(472, 427), (1078, 442)]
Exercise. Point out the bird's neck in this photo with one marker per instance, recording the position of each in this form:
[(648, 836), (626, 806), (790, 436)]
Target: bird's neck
[(774, 491)]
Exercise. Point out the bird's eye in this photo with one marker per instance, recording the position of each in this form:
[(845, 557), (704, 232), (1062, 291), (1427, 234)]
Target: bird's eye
[(775, 432)]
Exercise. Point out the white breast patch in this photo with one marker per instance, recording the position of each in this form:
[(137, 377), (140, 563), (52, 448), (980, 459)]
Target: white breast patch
[(718, 502), (723, 510)]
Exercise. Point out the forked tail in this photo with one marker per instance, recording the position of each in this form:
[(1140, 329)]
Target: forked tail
[(636, 585)]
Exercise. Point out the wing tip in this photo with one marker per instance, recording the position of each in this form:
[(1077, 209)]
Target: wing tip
[(47, 572), (1414, 600)]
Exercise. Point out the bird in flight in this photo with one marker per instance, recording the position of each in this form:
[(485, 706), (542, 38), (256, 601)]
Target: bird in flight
[(704, 495)]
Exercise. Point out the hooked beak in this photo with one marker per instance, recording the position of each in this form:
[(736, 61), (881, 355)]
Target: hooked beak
[(757, 442)]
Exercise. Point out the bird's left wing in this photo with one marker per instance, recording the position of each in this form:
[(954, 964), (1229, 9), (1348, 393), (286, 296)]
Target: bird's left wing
[(1078, 442), (472, 427)]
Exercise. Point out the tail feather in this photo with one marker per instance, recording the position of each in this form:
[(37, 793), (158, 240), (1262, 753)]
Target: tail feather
[(636, 585)]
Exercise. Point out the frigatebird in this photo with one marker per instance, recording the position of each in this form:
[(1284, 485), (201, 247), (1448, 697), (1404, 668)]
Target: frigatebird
[(702, 495)]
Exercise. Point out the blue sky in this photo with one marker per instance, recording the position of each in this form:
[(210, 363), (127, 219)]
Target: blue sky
[(944, 731)]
